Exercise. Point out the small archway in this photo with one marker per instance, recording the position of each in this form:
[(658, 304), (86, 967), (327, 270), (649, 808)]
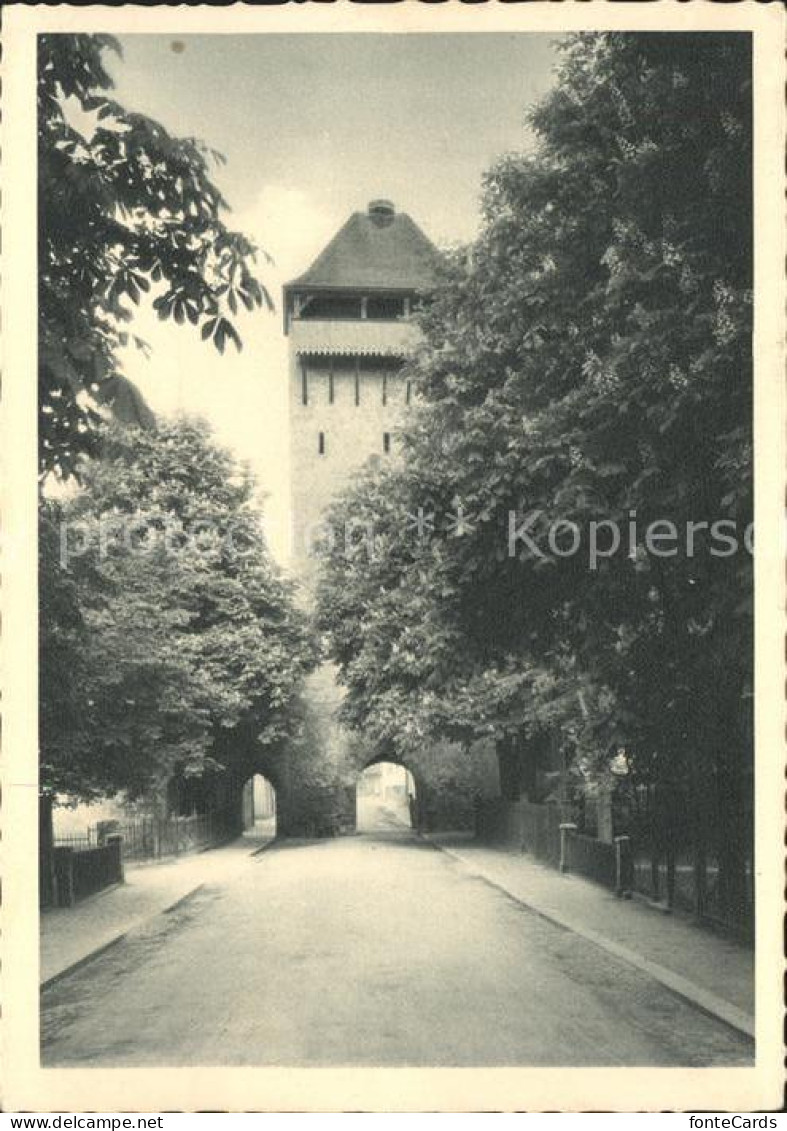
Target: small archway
[(385, 797), (258, 802)]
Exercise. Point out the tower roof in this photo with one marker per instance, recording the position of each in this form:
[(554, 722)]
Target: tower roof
[(125, 402), (380, 249)]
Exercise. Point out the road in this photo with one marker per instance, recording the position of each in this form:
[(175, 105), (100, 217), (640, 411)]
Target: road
[(376, 816), (368, 950)]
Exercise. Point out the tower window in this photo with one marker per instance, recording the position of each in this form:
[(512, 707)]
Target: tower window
[(386, 442), (330, 306), (330, 385), (386, 308), (321, 444), (357, 382), (304, 384), (408, 391), (385, 388)]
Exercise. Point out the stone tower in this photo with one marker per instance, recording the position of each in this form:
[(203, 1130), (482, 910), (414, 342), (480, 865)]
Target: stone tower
[(348, 321), (349, 325)]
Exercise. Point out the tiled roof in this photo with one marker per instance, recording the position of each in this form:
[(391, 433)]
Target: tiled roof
[(381, 339), (386, 253), (126, 403)]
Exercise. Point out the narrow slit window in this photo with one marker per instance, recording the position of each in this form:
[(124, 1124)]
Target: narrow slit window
[(408, 391), (321, 444), (386, 442), (304, 384), (357, 382), (385, 388), (330, 385)]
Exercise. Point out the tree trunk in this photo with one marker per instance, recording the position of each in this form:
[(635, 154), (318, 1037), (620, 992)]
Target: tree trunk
[(46, 851), (508, 766)]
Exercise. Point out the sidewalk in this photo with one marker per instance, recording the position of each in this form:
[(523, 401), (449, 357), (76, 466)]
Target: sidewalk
[(71, 935), (713, 973)]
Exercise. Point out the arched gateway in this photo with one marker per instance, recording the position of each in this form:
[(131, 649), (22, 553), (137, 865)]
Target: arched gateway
[(349, 324), (386, 800)]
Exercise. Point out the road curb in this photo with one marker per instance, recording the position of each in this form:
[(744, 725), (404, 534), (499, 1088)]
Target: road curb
[(105, 946), (80, 962), (701, 999), (178, 902)]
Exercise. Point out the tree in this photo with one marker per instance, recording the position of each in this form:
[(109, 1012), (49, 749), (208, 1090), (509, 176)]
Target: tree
[(387, 605), (185, 638), (589, 362), (599, 355), (126, 214), (64, 731)]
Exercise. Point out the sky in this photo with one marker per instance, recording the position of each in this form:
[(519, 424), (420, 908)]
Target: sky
[(312, 127)]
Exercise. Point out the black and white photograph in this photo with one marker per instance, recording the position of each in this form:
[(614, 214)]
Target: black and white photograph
[(400, 398)]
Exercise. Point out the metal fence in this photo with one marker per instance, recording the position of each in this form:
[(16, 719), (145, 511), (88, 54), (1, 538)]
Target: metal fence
[(148, 838), (541, 831), (696, 855), (499, 822), (594, 859), (86, 839), (677, 864), (522, 825), (77, 865), (82, 872)]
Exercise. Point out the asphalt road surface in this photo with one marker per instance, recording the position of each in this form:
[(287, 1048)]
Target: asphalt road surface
[(368, 950)]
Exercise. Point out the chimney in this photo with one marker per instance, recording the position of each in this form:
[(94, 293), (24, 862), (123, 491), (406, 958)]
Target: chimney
[(381, 211)]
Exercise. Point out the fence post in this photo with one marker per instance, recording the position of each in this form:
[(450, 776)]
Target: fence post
[(623, 878), (566, 828)]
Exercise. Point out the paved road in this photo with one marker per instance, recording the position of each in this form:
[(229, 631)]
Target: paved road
[(366, 951), (375, 816)]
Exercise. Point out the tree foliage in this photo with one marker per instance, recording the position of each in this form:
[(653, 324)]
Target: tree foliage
[(588, 361), (169, 637), (126, 214)]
